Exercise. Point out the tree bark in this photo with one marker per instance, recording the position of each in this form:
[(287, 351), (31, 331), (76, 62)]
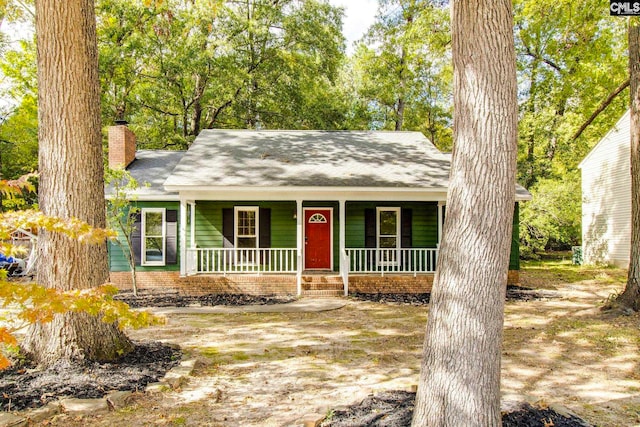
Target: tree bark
[(630, 298), (71, 179), (460, 372)]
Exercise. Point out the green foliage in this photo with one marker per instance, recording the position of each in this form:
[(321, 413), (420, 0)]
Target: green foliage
[(570, 58), (175, 67), (403, 70), (121, 213), (552, 219), (19, 123), (26, 303)]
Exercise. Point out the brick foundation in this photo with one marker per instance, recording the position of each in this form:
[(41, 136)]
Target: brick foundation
[(390, 284), (514, 277), (170, 281), (269, 284)]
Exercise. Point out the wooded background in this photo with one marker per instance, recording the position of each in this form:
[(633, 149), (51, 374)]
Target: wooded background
[(174, 67)]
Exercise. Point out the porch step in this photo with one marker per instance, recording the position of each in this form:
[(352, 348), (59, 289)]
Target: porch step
[(314, 293), (318, 282)]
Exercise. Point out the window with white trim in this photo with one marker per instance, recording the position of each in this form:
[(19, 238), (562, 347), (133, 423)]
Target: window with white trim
[(246, 225), (388, 233), (317, 218), (153, 236)]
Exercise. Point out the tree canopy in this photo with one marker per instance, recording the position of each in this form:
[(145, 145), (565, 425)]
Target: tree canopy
[(174, 67)]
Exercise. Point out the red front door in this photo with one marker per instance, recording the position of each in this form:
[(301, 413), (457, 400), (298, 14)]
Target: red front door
[(317, 239)]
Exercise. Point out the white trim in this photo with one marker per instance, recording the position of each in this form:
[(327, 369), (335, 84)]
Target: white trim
[(616, 128), (143, 237), (243, 193), (182, 230), (133, 196), (317, 218), (300, 244), (301, 189), (256, 210), (344, 268), (397, 236), (441, 205), (192, 223), (312, 193), (304, 228)]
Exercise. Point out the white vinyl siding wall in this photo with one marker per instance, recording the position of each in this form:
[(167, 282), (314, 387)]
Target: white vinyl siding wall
[(606, 199)]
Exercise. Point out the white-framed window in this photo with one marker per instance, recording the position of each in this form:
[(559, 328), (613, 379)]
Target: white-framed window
[(246, 225), (317, 218), (388, 234), (153, 236)]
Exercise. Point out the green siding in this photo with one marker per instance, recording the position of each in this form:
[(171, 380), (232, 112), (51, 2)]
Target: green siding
[(209, 222), (514, 259), (424, 222), (117, 260)]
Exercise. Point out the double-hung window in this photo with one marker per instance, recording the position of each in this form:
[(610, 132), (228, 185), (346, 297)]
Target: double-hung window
[(247, 232), (153, 236), (388, 235)]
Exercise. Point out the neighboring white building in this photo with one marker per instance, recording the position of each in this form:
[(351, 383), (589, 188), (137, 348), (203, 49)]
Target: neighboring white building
[(606, 198)]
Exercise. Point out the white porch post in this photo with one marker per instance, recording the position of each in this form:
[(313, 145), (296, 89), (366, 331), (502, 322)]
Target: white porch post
[(343, 219), (183, 238), (300, 245), (440, 222), (192, 231)]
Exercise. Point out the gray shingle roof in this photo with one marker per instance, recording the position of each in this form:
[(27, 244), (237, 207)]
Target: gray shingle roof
[(248, 158), (151, 168)]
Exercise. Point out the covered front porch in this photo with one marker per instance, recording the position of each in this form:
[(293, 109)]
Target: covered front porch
[(307, 238)]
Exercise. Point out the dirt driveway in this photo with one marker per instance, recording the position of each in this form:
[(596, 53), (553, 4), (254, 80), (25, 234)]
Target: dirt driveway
[(270, 369)]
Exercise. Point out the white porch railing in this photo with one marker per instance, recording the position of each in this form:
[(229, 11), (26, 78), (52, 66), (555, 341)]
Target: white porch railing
[(223, 260), (405, 260)]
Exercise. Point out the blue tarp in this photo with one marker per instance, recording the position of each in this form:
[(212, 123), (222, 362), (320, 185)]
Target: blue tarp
[(6, 259)]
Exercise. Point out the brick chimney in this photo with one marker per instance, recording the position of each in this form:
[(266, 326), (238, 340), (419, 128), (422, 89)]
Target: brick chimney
[(122, 145)]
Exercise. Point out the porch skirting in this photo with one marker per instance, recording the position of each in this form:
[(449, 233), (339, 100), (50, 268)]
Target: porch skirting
[(269, 284)]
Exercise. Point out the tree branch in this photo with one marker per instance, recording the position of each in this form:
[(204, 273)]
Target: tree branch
[(600, 109)]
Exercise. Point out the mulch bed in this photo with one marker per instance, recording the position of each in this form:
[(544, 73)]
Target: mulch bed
[(514, 293), (395, 409), (25, 386), (177, 300)]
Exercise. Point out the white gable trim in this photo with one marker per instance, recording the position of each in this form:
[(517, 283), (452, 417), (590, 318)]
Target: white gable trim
[(615, 129)]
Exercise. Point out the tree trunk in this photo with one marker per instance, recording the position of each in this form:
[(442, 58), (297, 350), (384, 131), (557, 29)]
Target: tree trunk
[(460, 373), (400, 105), (630, 298), (71, 179)]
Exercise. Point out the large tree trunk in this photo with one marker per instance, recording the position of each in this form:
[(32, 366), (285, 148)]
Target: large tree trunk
[(630, 298), (71, 179), (460, 373)]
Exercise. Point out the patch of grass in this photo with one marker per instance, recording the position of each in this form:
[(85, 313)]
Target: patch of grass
[(179, 421), (239, 356), (608, 339), (556, 270)]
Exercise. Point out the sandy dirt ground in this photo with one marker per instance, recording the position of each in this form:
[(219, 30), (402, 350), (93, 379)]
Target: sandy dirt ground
[(271, 369)]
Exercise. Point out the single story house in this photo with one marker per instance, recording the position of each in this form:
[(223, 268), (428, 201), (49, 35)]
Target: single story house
[(288, 212), (606, 198)]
